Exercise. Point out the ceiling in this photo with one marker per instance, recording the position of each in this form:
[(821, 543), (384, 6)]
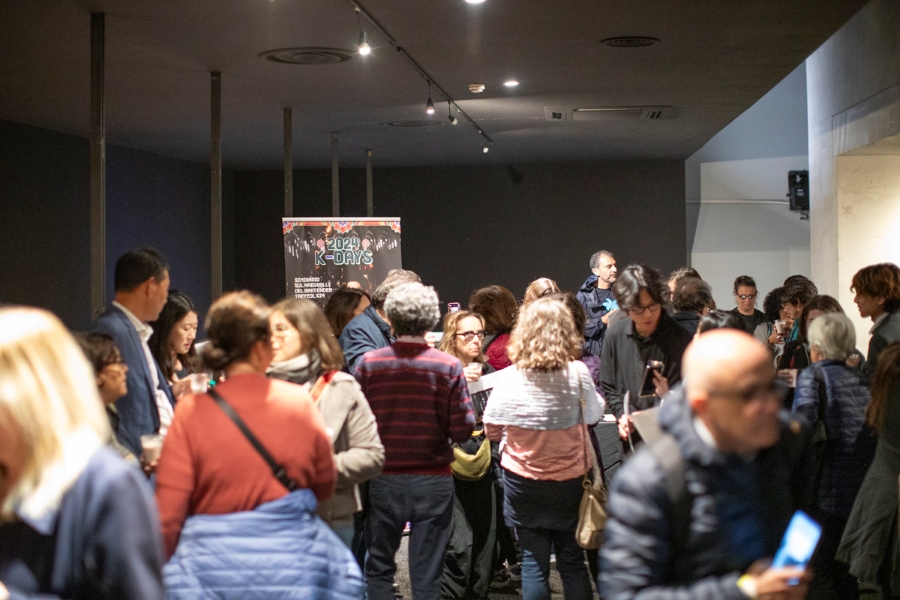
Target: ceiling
[(713, 61)]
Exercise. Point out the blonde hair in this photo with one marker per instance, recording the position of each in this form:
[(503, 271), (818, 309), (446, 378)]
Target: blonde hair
[(47, 392), (544, 338), (314, 329), (451, 325)]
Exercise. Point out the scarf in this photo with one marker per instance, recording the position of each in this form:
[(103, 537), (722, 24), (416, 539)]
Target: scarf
[(301, 369)]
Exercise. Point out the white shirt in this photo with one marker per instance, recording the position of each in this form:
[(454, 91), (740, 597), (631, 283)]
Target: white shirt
[(144, 331)]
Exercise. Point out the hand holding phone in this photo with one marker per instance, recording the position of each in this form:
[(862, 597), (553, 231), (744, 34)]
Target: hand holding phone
[(452, 307)]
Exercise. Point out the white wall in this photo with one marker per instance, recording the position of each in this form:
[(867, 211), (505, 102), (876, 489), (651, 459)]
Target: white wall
[(739, 222)]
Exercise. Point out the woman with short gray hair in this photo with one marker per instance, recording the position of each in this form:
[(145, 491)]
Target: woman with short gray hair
[(832, 391)]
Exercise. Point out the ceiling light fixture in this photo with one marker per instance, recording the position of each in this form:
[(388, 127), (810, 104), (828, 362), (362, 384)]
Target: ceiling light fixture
[(453, 120), (364, 48), (486, 150), (476, 88), (474, 1), (429, 106), (511, 83)]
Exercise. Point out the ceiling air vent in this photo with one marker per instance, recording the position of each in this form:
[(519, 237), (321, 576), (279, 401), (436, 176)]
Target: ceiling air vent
[(609, 113), (630, 41), (308, 56)]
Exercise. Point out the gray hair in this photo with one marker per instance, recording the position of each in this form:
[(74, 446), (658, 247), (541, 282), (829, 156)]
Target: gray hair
[(833, 336), (595, 258), (394, 278), (412, 309)]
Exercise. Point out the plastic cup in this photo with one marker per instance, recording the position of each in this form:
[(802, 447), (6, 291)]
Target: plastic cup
[(152, 447), (199, 383), (476, 366), (779, 327)]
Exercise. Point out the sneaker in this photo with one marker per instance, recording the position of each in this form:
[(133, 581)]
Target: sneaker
[(514, 572), (501, 580)]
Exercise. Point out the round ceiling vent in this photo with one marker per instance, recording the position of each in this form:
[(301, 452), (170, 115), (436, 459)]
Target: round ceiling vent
[(413, 123), (308, 56), (631, 41)]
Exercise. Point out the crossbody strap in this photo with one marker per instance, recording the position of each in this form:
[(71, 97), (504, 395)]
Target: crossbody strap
[(590, 459), (277, 470)]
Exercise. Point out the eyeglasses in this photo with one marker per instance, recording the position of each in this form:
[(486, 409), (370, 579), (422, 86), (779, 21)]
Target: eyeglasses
[(655, 307), (747, 296), (471, 335)]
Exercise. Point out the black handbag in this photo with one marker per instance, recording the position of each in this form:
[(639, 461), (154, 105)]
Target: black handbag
[(277, 470)]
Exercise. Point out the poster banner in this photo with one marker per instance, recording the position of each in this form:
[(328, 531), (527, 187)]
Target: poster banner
[(321, 255)]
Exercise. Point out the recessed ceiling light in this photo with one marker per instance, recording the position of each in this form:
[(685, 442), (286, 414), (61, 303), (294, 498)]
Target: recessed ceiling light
[(630, 41), (486, 150), (476, 88), (511, 83), (474, 1)]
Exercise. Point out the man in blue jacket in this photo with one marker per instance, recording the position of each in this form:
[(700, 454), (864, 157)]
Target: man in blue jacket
[(142, 288), (596, 296), (696, 514)]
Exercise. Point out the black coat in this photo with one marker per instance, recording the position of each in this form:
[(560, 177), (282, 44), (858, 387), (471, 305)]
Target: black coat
[(738, 512), (625, 354), (888, 331)]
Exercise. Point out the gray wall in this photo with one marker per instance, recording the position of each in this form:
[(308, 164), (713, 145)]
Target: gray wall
[(466, 227), (45, 227)]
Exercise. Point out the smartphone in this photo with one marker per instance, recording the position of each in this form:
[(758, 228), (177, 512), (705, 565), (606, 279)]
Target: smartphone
[(799, 542), (452, 307), (648, 387)]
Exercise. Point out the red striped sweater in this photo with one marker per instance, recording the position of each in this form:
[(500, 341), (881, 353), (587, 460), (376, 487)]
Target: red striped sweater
[(421, 403)]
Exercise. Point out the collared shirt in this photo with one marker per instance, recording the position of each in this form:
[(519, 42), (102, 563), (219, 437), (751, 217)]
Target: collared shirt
[(144, 331), (879, 321)]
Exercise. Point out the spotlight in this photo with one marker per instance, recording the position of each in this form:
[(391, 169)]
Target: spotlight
[(486, 150), (429, 106), (364, 48), (511, 83), (453, 120)]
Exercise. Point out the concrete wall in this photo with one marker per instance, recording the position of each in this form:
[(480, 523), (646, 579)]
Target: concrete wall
[(853, 84), (467, 227), (738, 221)]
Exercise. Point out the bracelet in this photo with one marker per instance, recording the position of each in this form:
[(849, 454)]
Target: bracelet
[(747, 585)]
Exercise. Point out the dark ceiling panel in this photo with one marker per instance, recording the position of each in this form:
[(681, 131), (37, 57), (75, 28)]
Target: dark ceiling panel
[(713, 61)]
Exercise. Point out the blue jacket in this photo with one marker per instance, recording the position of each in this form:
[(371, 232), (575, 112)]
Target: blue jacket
[(138, 413), (595, 307), (279, 550), (851, 444), (104, 542), (737, 512), (364, 332)]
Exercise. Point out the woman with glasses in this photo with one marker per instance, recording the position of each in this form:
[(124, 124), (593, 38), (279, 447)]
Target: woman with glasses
[(75, 521), (463, 338), (306, 353), (536, 409), (745, 296), (642, 355)]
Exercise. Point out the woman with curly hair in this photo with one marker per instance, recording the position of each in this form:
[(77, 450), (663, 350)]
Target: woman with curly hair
[(537, 410)]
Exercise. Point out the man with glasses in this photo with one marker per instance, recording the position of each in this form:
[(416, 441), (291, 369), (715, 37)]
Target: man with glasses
[(745, 296), (649, 334), (697, 513)]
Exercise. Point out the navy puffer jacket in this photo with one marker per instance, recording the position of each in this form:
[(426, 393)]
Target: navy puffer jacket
[(851, 444), (738, 511)]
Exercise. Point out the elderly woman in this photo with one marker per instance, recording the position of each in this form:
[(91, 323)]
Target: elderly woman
[(306, 353), (870, 541), (498, 307), (536, 409), (249, 504), (76, 521), (833, 392)]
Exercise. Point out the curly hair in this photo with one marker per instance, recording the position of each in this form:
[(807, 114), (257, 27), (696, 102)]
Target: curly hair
[(497, 305), (772, 305), (451, 328), (798, 290), (879, 281), (412, 309), (544, 338), (538, 289), (633, 279), (743, 281), (314, 329)]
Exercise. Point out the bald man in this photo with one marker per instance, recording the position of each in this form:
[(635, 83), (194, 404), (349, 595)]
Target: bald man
[(697, 513)]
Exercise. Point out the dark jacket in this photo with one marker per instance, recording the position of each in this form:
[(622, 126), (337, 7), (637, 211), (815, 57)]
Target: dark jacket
[(105, 542), (795, 356), (851, 444), (597, 303), (625, 354), (364, 332), (687, 319), (888, 331), (736, 514), (138, 412), (751, 322)]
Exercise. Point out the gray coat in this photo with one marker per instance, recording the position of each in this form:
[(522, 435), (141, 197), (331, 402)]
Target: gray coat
[(887, 332)]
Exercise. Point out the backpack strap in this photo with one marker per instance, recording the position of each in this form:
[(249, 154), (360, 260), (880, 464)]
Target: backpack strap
[(668, 454)]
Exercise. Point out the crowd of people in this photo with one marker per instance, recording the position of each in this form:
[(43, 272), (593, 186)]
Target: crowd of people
[(289, 453)]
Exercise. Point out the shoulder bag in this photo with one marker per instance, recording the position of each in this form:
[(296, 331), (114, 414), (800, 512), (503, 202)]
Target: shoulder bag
[(592, 511), (277, 470)]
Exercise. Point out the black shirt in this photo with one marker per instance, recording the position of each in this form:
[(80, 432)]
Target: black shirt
[(751, 322)]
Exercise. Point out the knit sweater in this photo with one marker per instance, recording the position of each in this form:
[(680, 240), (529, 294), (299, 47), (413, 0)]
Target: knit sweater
[(421, 403), (538, 413)]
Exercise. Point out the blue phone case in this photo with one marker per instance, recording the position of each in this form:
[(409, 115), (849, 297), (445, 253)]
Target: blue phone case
[(799, 542)]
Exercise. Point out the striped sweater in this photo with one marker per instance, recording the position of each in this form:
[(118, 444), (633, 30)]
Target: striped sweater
[(421, 404)]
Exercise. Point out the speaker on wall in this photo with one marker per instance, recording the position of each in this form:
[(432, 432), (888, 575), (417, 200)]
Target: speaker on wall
[(798, 190)]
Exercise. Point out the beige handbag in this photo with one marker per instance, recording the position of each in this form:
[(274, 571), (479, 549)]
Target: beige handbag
[(592, 511)]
